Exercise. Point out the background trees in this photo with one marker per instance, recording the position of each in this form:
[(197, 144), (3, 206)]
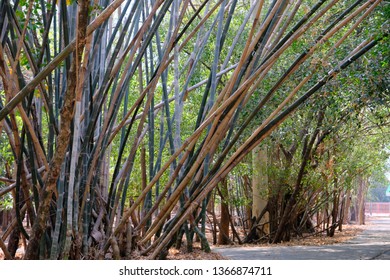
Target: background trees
[(123, 117)]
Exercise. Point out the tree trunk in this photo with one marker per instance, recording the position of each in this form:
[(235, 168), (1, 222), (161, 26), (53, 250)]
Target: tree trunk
[(362, 188), (214, 222), (13, 242), (260, 189), (335, 212), (347, 206), (5, 219), (223, 236)]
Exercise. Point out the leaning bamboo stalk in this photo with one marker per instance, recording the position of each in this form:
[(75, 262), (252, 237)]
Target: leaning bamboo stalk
[(236, 39), (247, 50), (223, 126), (137, 44), (10, 134), (37, 145), (14, 223), (57, 60), (275, 55), (178, 104), (6, 180), (217, 52), (280, 31), (186, 40), (113, 69), (257, 136), (323, 37), (187, 145), (287, 23), (254, 139), (356, 24), (165, 93), (47, 20), (22, 37), (5, 190), (165, 190), (170, 44), (129, 164), (247, 90), (34, 66), (172, 200), (295, 28), (235, 74), (9, 88), (220, 127), (18, 146), (5, 250), (196, 29), (62, 145), (245, 54), (260, 135), (275, 17), (326, 35)]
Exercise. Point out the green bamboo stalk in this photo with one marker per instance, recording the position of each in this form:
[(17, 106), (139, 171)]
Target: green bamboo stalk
[(318, 41), (57, 60), (259, 137), (129, 163), (55, 250)]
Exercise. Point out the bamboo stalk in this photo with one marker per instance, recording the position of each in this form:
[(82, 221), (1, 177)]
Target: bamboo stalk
[(57, 60), (191, 206), (5, 250)]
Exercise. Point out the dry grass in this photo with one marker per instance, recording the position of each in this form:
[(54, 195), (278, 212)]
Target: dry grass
[(197, 254)]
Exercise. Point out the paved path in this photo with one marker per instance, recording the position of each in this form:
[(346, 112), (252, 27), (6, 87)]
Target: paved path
[(372, 243)]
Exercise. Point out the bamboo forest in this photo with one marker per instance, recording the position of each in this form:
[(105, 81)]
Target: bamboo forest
[(129, 128)]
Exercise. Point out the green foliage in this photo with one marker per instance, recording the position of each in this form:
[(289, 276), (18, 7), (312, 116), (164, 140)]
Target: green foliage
[(6, 202)]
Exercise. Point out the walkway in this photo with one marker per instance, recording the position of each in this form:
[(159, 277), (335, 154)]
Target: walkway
[(372, 243)]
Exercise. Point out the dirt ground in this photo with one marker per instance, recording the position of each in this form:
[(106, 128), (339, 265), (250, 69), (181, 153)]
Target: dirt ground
[(349, 231), (373, 243)]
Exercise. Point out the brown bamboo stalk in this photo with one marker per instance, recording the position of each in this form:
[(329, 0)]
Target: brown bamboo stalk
[(356, 24), (190, 141), (130, 160), (9, 87), (280, 29), (125, 120), (263, 28), (22, 36), (67, 115), (137, 43), (5, 190), (5, 250), (103, 16), (221, 174), (203, 153), (300, 32)]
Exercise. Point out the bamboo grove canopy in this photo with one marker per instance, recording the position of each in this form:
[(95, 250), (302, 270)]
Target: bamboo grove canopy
[(122, 116)]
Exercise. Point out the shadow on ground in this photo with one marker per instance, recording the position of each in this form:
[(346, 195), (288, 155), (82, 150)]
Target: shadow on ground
[(372, 243)]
